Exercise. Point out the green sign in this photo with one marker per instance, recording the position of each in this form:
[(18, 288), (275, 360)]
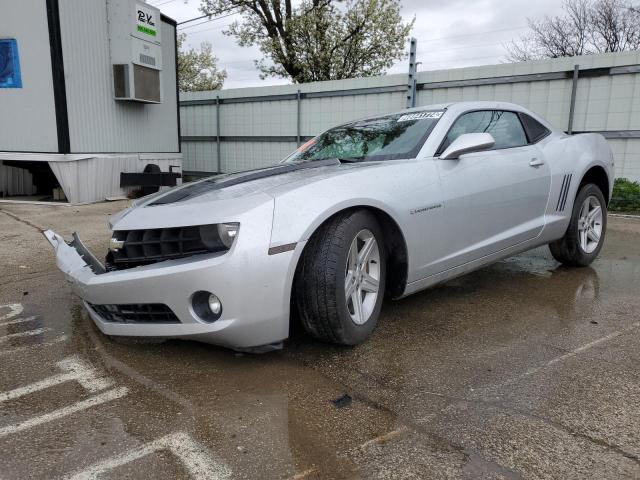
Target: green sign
[(147, 30)]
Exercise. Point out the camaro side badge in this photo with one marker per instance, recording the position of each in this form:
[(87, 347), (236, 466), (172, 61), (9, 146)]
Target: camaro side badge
[(425, 209)]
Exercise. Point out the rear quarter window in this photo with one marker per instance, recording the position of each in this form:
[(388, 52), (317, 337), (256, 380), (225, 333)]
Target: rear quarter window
[(535, 130)]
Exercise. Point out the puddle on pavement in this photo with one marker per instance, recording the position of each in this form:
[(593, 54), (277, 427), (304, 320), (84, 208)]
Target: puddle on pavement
[(262, 412)]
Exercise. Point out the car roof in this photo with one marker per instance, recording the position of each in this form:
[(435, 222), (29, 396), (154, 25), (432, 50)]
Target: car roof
[(468, 105), (460, 107)]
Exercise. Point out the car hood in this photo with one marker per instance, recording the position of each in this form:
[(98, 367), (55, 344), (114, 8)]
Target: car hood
[(223, 198)]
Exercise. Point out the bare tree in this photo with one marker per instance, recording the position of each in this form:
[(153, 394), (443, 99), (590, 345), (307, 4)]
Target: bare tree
[(615, 26), (585, 27)]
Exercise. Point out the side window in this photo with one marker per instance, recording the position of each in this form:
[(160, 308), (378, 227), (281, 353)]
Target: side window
[(504, 126), (535, 130)]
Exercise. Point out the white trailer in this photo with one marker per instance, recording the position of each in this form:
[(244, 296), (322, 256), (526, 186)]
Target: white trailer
[(88, 90)]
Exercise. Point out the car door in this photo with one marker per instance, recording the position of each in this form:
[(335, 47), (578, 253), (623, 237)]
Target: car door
[(493, 199)]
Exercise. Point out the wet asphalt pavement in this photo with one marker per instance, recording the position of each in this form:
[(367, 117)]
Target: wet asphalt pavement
[(521, 370)]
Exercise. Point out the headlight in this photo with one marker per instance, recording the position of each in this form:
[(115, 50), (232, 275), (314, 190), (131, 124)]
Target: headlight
[(219, 236), (228, 233)]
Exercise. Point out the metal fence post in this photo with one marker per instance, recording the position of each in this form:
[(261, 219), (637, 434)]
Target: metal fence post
[(299, 99), (218, 149), (411, 80), (572, 106)]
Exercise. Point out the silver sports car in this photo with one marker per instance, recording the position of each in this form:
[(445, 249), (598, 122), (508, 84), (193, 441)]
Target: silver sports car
[(384, 206)]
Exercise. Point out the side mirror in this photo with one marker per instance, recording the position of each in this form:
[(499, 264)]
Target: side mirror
[(467, 143)]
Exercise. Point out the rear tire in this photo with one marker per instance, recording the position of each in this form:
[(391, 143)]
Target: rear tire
[(584, 237), (345, 260)]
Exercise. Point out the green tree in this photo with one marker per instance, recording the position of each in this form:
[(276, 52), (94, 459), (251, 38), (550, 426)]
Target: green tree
[(318, 39), (198, 69)]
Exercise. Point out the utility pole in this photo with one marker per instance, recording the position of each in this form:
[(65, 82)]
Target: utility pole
[(574, 90), (413, 68)]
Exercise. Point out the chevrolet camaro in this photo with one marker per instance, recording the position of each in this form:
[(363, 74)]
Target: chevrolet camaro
[(379, 207)]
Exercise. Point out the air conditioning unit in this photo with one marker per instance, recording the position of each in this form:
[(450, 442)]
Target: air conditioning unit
[(136, 53)]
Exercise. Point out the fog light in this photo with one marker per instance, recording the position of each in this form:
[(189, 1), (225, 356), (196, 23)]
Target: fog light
[(206, 306), (214, 304)]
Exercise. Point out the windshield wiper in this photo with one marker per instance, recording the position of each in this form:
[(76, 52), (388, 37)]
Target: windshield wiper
[(352, 159)]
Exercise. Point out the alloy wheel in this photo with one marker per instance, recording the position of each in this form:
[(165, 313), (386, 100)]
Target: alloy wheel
[(362, 276), (590, 224)]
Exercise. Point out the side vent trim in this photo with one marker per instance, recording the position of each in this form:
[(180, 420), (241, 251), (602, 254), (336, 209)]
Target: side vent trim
[(564, 192)]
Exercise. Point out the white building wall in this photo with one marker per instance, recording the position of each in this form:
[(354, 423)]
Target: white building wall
[(73, 170), (27, 114), (627, 155), (107, 137), (203, 156), (550, 99), (603, 103), (319, 114), (239, 156), (97, 122), (258, 118), (198, 120)]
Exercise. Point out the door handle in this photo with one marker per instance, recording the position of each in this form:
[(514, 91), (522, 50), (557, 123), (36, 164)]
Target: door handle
[(536, 162)]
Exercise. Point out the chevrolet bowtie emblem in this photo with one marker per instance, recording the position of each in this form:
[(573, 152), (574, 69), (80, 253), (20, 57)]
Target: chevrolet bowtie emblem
[(115, 244)]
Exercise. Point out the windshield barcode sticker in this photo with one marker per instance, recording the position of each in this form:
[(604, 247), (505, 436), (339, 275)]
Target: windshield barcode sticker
[(419, 116)]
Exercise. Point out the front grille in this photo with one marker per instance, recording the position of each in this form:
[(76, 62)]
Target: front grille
[(136, 313), (142, 247)]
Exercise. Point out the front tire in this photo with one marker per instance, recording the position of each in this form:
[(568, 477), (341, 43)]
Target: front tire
[(341, 280), (584, 237)]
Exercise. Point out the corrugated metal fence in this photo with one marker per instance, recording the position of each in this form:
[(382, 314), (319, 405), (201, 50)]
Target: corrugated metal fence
[(240, 129)]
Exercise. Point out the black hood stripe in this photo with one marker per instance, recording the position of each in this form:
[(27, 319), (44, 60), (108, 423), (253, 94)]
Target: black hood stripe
[(222, 181)]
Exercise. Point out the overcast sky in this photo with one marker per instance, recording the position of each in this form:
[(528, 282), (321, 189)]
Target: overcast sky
[(450, 33)]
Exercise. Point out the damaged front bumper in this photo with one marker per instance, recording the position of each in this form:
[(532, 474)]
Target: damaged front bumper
[(253, 286), (73, 256)]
